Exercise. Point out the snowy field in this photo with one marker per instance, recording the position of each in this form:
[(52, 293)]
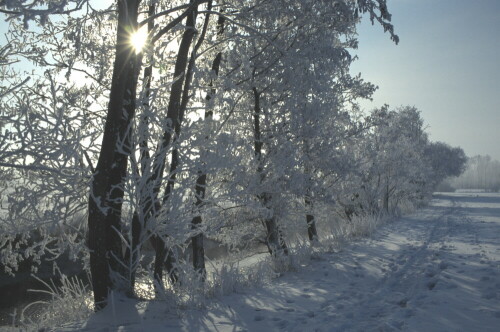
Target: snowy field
[(435, 270)]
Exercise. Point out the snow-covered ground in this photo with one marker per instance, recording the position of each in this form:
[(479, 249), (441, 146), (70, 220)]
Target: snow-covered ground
[(435, 270)]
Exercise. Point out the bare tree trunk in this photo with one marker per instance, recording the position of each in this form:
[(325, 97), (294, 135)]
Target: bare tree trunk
[(311, 222), (139, 220), (201, 181), (274, 238), (174, 113), (106, 193), (386, 197)]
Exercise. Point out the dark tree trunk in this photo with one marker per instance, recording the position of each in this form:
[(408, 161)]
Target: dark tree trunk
[(275, 241), (201, 181), (386, 198), (164, 253), (139, 220), (274, 238), (106, 193), (174, 113), (311, 222), (312, 233)]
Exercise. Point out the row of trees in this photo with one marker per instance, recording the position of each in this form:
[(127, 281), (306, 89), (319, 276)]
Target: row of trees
[(234, 114), (481, 172)]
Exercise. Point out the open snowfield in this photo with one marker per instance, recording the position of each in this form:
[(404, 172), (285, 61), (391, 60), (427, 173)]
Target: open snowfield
[(435, 270)]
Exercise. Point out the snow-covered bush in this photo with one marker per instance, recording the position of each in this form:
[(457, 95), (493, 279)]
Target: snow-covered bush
[(71, 300)]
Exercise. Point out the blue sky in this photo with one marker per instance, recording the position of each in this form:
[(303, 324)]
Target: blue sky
[(447, 64)]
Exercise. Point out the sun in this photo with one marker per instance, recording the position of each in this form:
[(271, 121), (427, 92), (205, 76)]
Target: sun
[(138, 39)]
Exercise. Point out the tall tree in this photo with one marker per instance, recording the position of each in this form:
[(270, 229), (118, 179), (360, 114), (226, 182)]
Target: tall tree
[(106, 194), (201, 181)]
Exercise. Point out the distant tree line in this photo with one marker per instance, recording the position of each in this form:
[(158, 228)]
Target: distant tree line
[(481, 172)]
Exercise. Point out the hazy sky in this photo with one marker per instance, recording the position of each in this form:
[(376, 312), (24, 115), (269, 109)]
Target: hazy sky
[(447, 64)]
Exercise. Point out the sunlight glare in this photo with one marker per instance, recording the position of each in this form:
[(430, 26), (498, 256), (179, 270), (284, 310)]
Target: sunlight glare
[(138, 39)]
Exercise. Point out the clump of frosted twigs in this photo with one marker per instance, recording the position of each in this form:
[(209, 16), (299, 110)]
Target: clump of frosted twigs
[(71, 300)]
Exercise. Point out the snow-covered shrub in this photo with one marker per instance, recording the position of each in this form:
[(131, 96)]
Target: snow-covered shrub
[(362, 226), (231, 278), (406, 207), (70, 301), (189, 291), (227, 279)]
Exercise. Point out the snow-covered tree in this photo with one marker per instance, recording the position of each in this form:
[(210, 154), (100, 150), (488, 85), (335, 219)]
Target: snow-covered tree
[(125, 135)]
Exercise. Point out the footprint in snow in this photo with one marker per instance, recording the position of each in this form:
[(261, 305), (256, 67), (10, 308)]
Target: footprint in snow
[(326, 304), (282, 324), (310, 314), (403, 303), (431, 284), (258, 318)]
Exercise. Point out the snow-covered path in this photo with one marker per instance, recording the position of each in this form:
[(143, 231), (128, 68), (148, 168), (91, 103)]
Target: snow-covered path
[(436, 270)]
